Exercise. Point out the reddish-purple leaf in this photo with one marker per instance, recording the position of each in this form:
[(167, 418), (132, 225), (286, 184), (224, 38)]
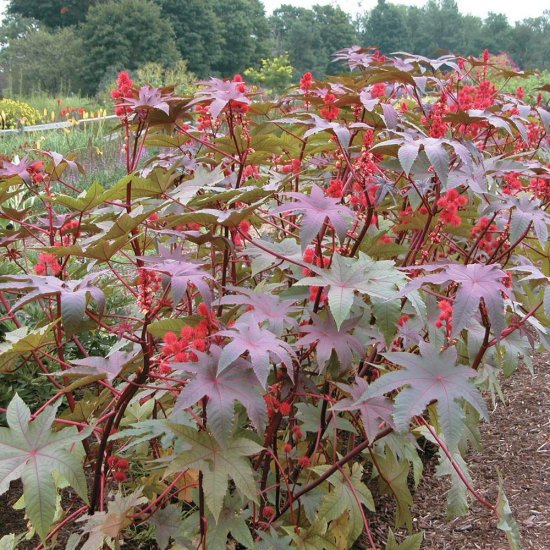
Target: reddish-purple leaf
[(429, 376), (476, 282), (237, 382), (262, 346), (316, 208), (376, 412), (327, 337)]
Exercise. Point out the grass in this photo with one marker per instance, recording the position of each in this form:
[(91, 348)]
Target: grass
[(47, 103), (97, 146)]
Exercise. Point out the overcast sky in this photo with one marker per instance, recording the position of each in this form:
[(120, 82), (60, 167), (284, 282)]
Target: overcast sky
[(514, 9)]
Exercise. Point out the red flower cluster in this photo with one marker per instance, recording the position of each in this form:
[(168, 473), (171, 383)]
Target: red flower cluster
[(520, 93), (72, 111), (541, 188), (378, 57), (46, 261), (35, 170), (311, 257), (123, 89), (306, 82), (149, 283), (239, 107), (294, 167), (513, 184), (244, 228), (450, 203), (446, 309), (182, 349), (204, 117), (329, 111), (335, 189), (378, 90), (488, 242), (438, 128), (481, 96), (251, 171), (68, 231), (120, 466)]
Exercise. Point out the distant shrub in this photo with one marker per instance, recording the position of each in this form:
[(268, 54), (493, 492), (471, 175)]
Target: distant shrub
[(177, 75), (16, 113)]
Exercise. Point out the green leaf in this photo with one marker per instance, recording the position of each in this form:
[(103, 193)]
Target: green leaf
[(393, 476), (21, 341), (412, 542), (378, 279), (342, 499), (430, 376), (30, 450), (94, 195), (218, 464), (506, 522), (387, 314)]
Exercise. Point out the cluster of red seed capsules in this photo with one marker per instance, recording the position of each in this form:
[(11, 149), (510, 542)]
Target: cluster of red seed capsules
[(182, 348), (119, 467), (124, 89)]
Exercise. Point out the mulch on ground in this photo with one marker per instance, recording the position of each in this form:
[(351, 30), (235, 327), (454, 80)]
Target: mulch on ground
[(517, 442)]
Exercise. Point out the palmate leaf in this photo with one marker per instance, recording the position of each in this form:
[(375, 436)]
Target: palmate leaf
[(110, 366), (507, 522), (232, 521), (379, 279), (316, 208), (218, 463), (429, 376), (31, 451), (476, 281), (74, 295), (166, 523), (110, 524), (261, 344), (262, 307), (393, 480), (327, 337), (220, 93), (237, 382), (21, 341), (412, 542), (182, 271), (342, 498), (376, 412)]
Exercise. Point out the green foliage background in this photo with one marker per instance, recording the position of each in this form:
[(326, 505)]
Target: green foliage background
[(70, 46)]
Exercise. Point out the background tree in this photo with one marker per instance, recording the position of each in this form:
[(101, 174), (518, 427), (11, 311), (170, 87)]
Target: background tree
[(16, 26), (245, 34), (444, 27), (530, 44), (336, 31), (53, 13), (274, 75), (198, 31), (385, 28), (125, 34), (43, 61), (312, 36)]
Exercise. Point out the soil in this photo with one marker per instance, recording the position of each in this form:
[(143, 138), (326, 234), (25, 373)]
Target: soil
[(516, 442)]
